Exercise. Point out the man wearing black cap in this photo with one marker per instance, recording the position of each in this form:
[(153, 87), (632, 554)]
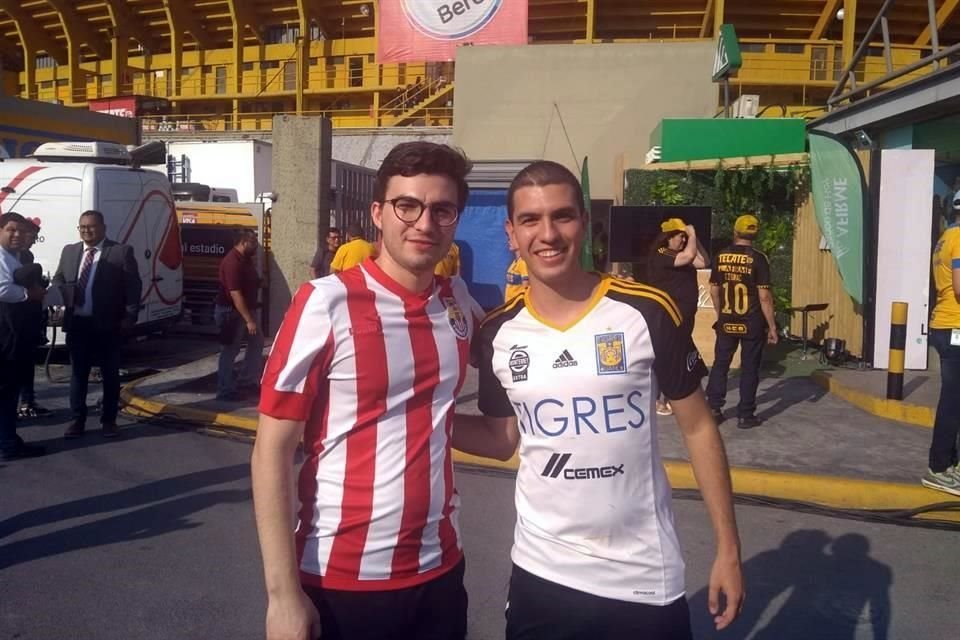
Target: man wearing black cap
[(15, 346), (740, 290)]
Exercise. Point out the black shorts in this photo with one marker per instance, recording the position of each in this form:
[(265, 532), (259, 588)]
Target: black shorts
[(435, 610), (538, 609)]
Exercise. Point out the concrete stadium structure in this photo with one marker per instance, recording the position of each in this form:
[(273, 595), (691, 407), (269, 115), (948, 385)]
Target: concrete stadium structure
[(231, 65)]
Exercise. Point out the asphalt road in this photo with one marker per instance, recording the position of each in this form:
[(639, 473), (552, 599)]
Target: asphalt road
[(151, 536)]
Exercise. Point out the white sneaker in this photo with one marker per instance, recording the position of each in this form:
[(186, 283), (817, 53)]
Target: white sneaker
[(947, 481)]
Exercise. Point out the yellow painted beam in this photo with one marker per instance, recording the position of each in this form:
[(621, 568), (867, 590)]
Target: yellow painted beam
[(244, 17), (944, 13), (131, 25), (849, 32), (182, 18), (707, 15), (591, 30), (305, 14), (826, 17), (78, 30), (33, 39), (718, 13)]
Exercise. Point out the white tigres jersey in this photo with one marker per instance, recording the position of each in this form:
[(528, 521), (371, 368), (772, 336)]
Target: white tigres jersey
[(593, 500), (374, 370)]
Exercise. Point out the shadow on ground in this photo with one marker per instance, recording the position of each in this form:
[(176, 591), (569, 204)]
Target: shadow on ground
[(158, 507), (811, 586)]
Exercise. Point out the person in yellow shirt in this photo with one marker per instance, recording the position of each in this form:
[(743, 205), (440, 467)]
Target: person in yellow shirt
[(943, 473), (517, 277), (353, 252), (450, 265)]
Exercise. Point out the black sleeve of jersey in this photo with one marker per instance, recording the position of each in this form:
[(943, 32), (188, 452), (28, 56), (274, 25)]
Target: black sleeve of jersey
[(677, 362), (492, 398), (715, 275), (761, 270)]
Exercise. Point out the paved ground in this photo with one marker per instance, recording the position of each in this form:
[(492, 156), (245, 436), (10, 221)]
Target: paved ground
[(151, 537), (806, 431), (919, 387)]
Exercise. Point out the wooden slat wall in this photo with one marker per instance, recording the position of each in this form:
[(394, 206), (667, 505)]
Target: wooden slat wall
[(815, 280)]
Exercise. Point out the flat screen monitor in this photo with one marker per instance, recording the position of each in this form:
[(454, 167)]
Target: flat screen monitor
[(633, 229)]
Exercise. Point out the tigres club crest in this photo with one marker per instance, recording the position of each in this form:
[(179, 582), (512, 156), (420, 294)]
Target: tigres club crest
[(611, 358), (456, 318)]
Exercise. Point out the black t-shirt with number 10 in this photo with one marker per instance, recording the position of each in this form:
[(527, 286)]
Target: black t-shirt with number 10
[(740, 272)]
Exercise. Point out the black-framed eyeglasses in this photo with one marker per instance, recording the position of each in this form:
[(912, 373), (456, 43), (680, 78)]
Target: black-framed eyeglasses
[(409, 210)]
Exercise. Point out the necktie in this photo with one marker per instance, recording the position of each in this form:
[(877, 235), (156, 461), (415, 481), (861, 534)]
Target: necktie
[(81, 295)]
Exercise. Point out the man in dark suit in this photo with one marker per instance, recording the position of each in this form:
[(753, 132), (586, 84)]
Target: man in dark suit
[(101, 286), (16, 334)]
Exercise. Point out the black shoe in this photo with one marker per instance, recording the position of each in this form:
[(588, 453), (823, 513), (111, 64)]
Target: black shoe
[(749, 422), (717, 415), (23, 450)]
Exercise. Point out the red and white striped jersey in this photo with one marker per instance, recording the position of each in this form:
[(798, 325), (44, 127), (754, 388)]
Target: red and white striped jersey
[(374, 370)]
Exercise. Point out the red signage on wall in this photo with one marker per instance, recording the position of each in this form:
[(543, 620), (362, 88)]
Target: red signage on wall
[(123, 106), (431, 30)]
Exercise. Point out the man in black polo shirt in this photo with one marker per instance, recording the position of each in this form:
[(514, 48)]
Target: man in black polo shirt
[(740, 290), (320, 265), (234, 313)]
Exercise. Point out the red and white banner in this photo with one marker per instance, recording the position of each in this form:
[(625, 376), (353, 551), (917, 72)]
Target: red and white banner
[(431, 30)]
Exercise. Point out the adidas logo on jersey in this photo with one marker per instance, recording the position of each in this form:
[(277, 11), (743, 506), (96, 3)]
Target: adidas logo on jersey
[(564, 360)]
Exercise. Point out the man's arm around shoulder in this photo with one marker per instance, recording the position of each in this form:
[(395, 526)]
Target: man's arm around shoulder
[(710, 467), (486, 436), (291, 614)]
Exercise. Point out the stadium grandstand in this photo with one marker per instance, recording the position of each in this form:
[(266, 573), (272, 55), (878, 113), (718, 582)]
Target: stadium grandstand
[(227, 65)]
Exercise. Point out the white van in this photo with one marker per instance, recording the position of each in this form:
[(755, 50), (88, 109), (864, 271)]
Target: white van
[(63, 179)]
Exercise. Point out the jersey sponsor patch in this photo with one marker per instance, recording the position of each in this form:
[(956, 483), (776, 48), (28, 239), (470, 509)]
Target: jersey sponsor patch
[(611, 358), (734, 328), (557, 468), (519, 363), (456, 318), (565, 360)]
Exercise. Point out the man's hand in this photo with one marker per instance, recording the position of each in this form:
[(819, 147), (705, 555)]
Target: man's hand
[(772, 337), (726, 577), (292, 618), (252, 327), (36, 294)]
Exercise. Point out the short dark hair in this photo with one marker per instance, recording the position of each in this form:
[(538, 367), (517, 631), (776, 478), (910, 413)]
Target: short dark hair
[(333, 230), (243, 234), (93, 213), (662, 239), (541, 174), (414, 158), (11, 216), (354, 230)]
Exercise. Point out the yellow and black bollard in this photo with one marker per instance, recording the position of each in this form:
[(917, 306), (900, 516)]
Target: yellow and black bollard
[(898, 346)]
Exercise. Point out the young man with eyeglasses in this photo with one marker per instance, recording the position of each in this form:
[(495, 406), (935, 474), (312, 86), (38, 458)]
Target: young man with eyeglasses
[(365, 370)]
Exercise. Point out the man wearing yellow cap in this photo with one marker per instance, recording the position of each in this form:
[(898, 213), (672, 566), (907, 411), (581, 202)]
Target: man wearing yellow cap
[(676, 256), (740, 290)]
